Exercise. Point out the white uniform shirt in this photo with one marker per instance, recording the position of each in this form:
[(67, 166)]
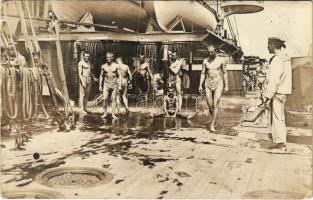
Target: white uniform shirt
[(279, 78)]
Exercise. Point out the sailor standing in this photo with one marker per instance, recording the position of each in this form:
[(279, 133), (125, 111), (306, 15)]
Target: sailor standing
[(279, 82), (85, 79)]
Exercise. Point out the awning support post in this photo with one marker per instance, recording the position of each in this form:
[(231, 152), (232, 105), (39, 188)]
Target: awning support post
[(165, 67), (61, 67)]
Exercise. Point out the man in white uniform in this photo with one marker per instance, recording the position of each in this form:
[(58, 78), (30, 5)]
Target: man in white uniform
[(279, 80)]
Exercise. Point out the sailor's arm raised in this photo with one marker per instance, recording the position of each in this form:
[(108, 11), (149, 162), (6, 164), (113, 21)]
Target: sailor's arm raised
[(224, 69), (202, 76)]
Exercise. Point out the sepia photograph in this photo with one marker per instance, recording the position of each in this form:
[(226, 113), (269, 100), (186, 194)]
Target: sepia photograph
[(156, 99)]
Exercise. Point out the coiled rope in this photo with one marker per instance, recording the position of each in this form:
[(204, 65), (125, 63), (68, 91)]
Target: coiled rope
[(22, 93), (10, 100)]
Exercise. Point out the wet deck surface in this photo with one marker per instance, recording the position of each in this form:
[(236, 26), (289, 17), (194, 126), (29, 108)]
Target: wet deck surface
[(167, 158)]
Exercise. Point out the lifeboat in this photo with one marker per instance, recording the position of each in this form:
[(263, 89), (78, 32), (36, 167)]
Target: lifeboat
[(194, 15), (126, 14), (241, 7), (131, 14)]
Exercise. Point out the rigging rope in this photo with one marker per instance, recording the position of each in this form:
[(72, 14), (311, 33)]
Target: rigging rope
[(236, 26), (26, 79), (22, 91), (10, 99), (230, 27)]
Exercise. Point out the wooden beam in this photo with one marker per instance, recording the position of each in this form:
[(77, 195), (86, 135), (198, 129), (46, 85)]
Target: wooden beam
[(131, 37), (165, 38), (67, 22), (61, 66)]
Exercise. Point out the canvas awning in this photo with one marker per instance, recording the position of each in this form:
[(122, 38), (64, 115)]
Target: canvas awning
[(206, 37)]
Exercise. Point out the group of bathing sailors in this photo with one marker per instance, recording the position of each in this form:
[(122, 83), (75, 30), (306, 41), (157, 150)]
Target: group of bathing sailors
[(115, 77)]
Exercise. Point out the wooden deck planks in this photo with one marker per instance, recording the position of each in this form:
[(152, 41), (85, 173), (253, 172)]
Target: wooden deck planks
[(213, 182), (206, 158), (246, 173), (149, 181)]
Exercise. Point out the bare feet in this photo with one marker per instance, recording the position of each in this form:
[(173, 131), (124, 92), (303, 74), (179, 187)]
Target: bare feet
[(114, 116), (191, 115), (211, 111), (104, 115), (277, 148), (212, 128)]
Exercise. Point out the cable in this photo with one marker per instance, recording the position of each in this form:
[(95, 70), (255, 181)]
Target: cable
[(230, 27), (236, 26)]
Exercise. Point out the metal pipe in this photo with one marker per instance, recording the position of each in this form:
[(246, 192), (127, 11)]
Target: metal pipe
[(165, 67)]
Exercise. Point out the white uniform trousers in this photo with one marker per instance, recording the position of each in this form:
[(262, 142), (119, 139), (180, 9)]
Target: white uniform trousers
[(278, 125)]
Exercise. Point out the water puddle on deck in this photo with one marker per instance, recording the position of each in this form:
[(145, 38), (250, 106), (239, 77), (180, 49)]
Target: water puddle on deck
[(143, 123), (121, 137)]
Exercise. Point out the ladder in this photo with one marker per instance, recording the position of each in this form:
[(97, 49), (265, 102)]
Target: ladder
[(31, 42), (32, 45), (5, 31)]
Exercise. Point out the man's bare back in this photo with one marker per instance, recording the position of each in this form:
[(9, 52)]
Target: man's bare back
[(124, 70), (143, 69), (125, 76)]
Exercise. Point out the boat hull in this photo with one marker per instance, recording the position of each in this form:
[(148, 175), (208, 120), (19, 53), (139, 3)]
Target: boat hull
[(241, 7), (194, 15), (126, 14)]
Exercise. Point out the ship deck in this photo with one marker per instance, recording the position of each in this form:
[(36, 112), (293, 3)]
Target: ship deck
[(165, 158)]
